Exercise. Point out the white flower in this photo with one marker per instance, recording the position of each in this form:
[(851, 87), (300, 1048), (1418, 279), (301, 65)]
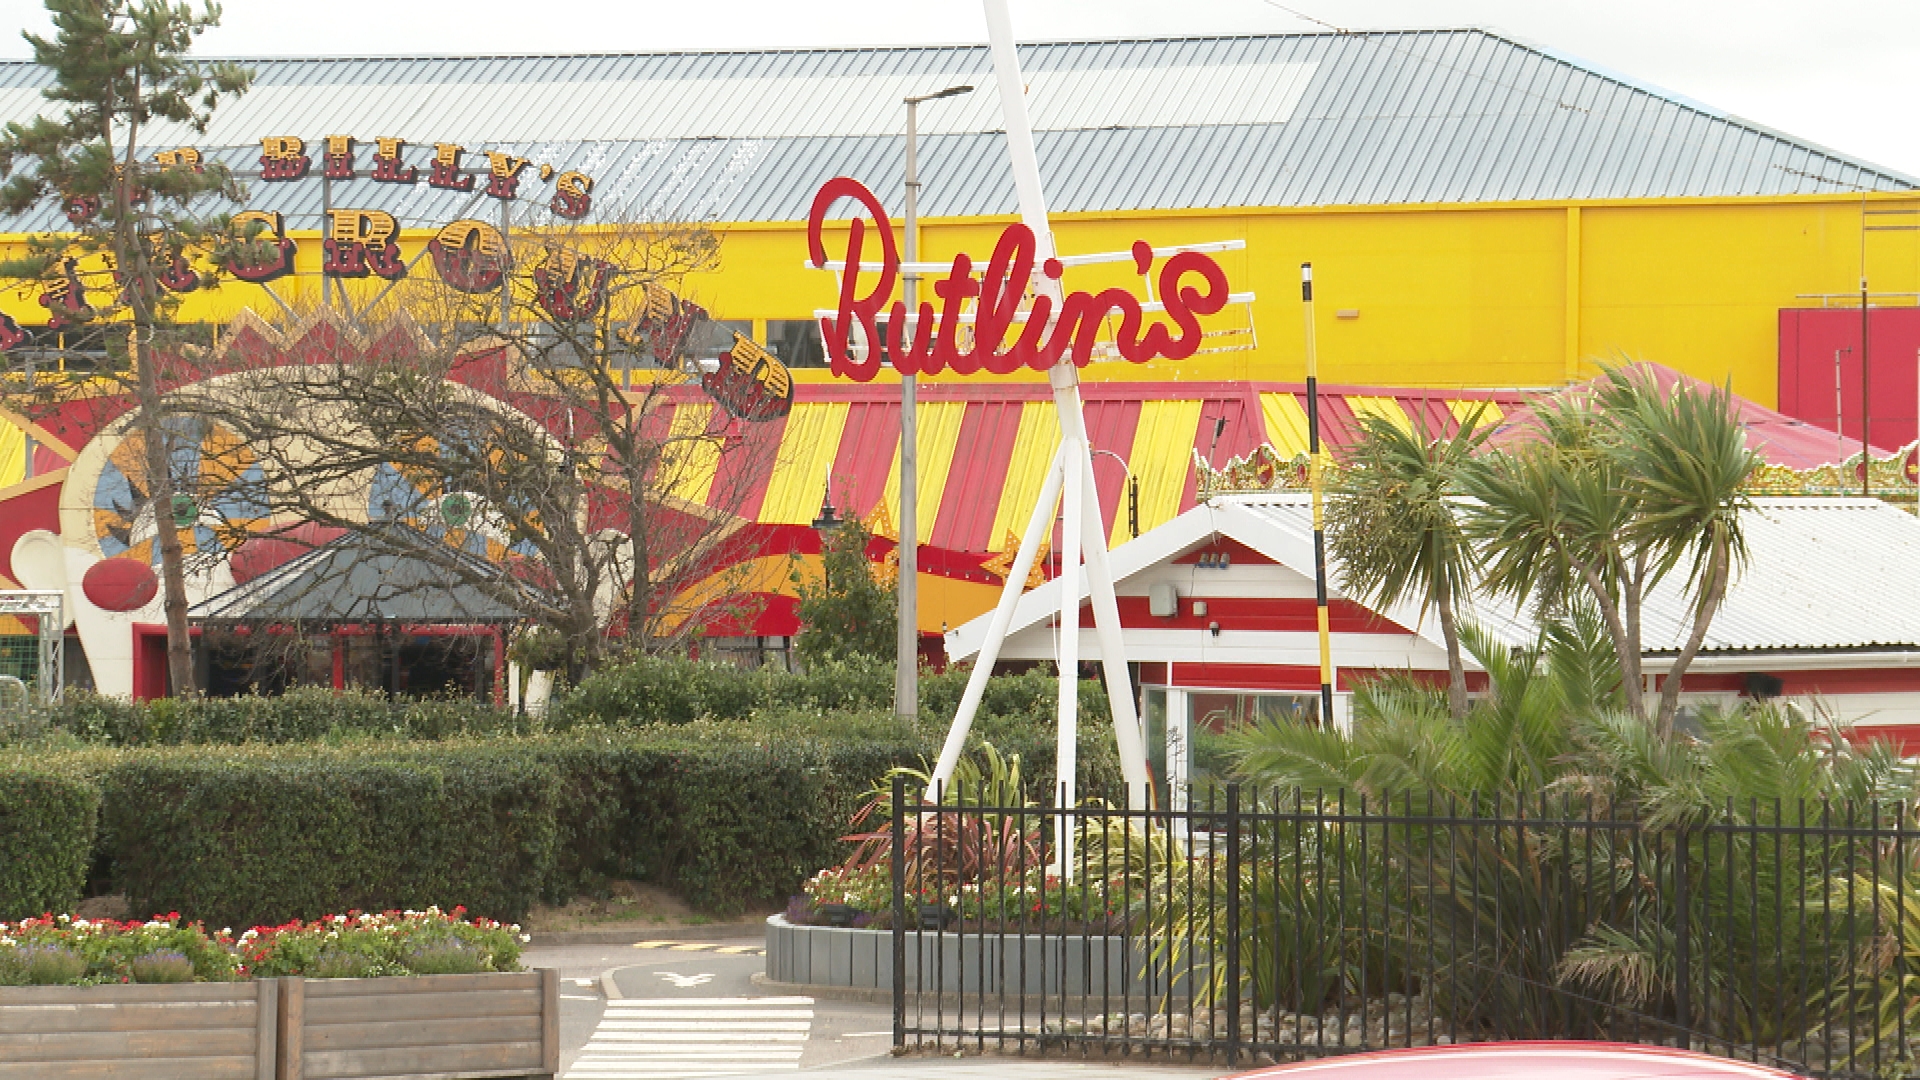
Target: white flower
[(524, 938)]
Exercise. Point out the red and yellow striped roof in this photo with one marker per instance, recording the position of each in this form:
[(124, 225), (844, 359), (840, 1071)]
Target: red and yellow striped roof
[(984, 449)]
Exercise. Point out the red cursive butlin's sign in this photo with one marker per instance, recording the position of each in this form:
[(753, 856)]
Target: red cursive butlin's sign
[(1040, 343)]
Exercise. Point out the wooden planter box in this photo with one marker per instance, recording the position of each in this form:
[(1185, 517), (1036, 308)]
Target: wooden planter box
[(436, 1027), (180, 1031)]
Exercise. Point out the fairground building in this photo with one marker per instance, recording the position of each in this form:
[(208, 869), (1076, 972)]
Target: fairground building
[(1486, 219)]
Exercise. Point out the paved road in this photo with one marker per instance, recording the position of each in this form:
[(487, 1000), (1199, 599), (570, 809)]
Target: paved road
[(687, 1010), (690, 1009)]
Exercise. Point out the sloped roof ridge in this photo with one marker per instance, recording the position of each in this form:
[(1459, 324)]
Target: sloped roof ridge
[(938, 46), (1694, 105)]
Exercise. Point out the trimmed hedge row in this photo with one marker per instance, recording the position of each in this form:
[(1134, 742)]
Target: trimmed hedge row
[(47, 826), (240, 839), (302, 714), (728, 814), (642, 692)]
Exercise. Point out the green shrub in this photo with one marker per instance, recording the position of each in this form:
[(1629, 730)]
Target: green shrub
[(247, 837), (302, 714), (47, 828), (730, 813), (665, 690), (727, 813)]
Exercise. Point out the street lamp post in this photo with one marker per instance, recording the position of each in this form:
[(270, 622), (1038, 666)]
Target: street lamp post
[(906, 670)]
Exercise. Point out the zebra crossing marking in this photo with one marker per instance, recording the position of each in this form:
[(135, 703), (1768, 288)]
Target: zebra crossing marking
[(690, 1038)]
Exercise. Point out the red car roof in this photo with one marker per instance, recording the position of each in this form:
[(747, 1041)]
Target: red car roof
[(1521, 1061)]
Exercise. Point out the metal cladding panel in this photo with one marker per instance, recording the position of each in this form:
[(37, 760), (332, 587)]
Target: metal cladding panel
[(978, 476), (1111, 425), (1285, 120), (1822, 574), (868, 446)]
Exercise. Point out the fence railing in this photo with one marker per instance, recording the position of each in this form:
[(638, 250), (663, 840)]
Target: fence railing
[(1267, 926)]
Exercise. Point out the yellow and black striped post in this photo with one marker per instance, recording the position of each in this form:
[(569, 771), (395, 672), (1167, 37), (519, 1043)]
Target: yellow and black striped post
[(1314, 483)]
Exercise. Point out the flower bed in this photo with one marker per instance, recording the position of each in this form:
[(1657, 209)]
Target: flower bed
[(62, 950), (863, 897), (355, 997)]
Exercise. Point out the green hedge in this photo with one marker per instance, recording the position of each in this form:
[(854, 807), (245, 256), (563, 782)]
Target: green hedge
[(642, 692), (240, 838), (300, 715), (729, 814), (47, 833)]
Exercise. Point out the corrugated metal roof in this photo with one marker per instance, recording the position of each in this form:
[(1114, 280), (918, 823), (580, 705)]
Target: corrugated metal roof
[(1280, 120), (1824, 574), (355, 578)]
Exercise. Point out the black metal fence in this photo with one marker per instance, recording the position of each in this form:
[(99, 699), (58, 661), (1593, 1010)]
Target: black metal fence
[(1259, 926)]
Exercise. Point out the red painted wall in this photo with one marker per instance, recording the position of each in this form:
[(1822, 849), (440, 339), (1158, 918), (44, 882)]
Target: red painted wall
[(1808, 338)]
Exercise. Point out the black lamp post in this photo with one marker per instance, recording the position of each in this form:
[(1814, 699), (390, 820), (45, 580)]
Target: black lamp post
[(826, 525), (828, 521)]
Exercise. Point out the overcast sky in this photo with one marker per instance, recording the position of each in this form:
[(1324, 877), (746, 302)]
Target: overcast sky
[(1846, 75)]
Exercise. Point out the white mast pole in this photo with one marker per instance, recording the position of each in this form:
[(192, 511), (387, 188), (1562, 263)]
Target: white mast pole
[(1080, 536)]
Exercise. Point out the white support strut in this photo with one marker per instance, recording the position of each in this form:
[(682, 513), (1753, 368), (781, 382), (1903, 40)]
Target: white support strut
[(1127, 732), (1066, 754), (1038, 526)]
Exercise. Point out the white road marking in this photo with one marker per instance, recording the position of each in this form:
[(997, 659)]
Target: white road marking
[(695, 1038), (686, 981)]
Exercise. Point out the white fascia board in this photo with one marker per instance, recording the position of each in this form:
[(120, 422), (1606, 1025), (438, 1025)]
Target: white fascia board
[(1786, 661), (1294, 548), (1190, 646), (1188, 530)]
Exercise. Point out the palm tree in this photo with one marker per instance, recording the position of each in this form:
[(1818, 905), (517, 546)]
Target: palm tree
[(1686, 458), (1549, 518), (1625, 484), (1394, 531), (1517, 738)]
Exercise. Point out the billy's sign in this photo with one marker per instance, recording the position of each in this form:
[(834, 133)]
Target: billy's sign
[(284, 159), (930, 342)]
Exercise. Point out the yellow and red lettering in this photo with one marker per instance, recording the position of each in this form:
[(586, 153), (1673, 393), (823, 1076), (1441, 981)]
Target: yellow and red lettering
[(339, 162), (284, 157), (65, 297), (470, 256), (446, 168), (265, 253), (572, 195), (387, 166), (503, 174), (362, 241), (571, 287)]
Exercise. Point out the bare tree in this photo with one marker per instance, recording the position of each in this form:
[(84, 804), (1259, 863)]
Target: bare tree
[(509, 411)]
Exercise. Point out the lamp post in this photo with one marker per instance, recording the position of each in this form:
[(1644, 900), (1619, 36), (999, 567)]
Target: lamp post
[(906, 663), (826, 525)]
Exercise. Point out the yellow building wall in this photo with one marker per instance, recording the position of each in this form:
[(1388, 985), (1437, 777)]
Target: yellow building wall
[(1509, 295)]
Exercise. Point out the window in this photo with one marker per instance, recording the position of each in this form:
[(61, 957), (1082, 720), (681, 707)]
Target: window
[(796, 342), (715, 336), (1215, 714)]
